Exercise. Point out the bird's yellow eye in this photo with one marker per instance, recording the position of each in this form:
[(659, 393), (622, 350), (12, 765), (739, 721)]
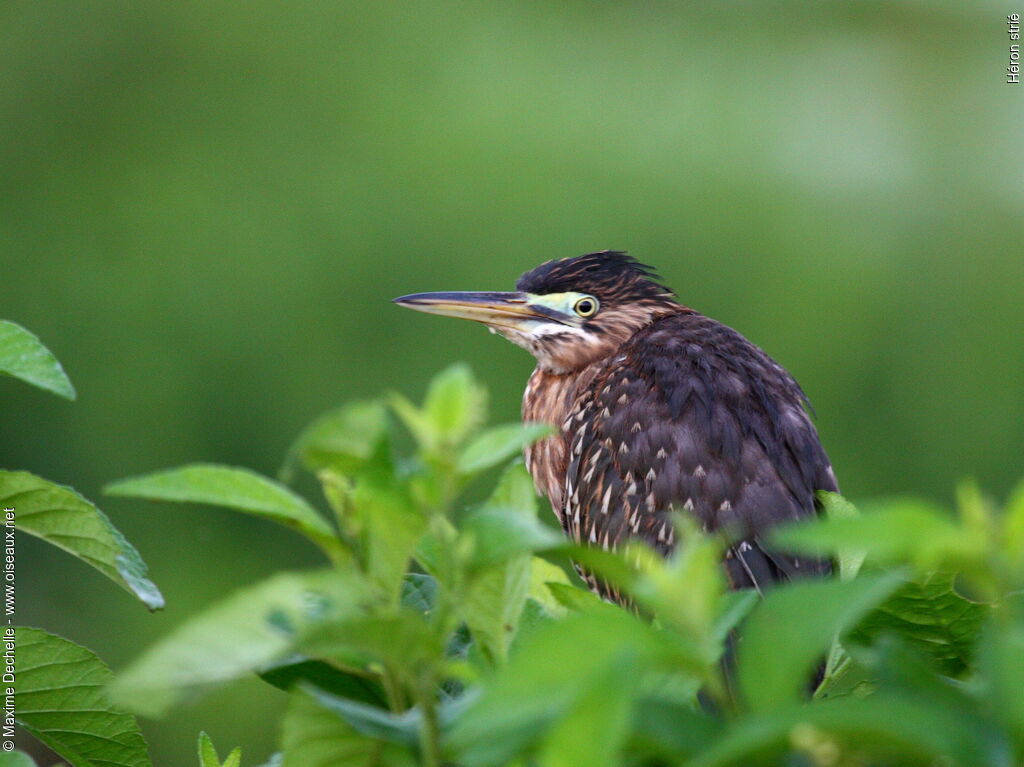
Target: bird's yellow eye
[(586, 307)]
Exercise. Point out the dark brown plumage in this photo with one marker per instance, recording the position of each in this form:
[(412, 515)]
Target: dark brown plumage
[(659, 410)]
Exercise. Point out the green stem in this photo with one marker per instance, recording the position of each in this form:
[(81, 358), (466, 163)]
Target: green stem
[(430, 730)]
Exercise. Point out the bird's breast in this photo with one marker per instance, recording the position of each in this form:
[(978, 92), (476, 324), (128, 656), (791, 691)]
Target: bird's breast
[(548, 399)]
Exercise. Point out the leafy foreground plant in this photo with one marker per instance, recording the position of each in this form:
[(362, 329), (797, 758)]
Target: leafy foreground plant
[(60, 696), (439, 634)]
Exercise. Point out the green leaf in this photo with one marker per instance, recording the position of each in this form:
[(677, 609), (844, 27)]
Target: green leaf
[(931, 617), (233, 488), (299, 669), (667, 729), (342, 439), (495, 535), (1013, 526), (314, 736), (390, 527), (455, 405), (403, 641), (546, 675), (545, 578), (1001, 658), (837, 507), (881, 726), (23, 356), (60, 698), (419, 592), (234, 637), (16, 759), (208, 754), (594, 729), (897, 531), (60, 516), (372, 721), (790, 631), (497, 445)]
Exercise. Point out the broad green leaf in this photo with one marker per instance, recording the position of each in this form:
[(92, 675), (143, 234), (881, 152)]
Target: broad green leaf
[(353, 683), (455, 405), (404, 641), (545, 577), (684, 591), (496, 535), (790, 631), (930, 616), (1001, 658), (494, 602), (61, 699), (234, 637), (60, 516), (837, 507), (23, 356), (1013, 527), (545, 676), (594, 729), (574, 598), (880, 726), (515, 491), (667, 729), (733, 608), (233, 488), (497, 445), (16, 759), (898, 531), (390, 526), (314, 736), (372, 721), (342, 439)]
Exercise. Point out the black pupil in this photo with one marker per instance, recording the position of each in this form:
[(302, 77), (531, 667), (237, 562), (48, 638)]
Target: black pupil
[(585, 307)]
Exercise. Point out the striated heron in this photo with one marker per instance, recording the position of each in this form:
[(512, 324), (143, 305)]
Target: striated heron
[(658, 410)]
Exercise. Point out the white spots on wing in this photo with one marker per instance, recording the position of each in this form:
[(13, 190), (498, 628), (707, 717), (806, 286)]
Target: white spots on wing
[(636, 427), (662, 454), (726, 506), (631, 490), (745, 547), (623, 449), (699, 472), (663, 532), (650, 501), (623, 399), (689, 504)]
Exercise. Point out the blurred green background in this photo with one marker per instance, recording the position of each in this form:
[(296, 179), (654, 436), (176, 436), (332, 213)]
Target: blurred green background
[(206, 206)]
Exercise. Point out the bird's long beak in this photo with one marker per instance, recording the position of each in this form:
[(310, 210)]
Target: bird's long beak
[(507, 310)]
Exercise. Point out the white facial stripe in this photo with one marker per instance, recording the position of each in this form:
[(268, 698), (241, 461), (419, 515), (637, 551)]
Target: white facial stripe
[(557, 329)]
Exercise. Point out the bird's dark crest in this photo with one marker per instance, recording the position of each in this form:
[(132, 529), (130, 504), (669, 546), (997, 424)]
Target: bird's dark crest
[(610, 275)]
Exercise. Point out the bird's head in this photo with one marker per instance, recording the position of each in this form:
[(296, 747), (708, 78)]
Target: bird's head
[(567, 313)]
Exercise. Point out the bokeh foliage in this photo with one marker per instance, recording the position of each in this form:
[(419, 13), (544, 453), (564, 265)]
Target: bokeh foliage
[(204, 208)]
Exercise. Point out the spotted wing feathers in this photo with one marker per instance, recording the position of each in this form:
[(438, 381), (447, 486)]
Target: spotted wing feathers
[(691, 417)]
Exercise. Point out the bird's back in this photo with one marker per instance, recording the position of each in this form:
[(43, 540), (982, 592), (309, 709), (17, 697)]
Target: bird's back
[(688, 416)]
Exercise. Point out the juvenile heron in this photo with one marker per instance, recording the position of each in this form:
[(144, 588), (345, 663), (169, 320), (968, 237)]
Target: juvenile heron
[(658, 410)]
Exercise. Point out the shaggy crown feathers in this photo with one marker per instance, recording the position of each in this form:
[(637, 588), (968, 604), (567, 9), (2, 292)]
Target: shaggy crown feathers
[(610, 275)]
